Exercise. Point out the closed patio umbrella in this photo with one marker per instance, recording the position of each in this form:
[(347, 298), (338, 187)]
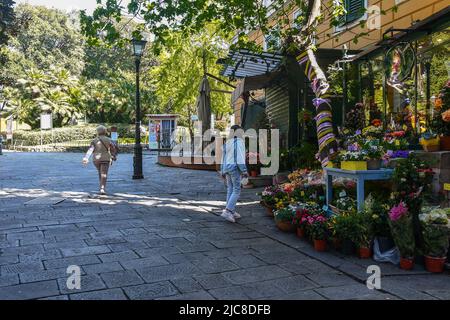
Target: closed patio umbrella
[(204, 104)]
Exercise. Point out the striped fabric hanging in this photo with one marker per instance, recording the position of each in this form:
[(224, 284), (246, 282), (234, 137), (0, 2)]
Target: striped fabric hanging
[(328, 145)]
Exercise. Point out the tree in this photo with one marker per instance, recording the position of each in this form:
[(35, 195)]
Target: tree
[(236, 16), (49, 39), (6, 20), (183, 61)]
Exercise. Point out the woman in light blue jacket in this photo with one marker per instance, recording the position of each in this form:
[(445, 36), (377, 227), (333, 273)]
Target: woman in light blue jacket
[(232, 169)]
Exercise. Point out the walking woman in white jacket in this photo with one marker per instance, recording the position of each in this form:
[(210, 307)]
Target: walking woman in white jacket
[(232, 169)]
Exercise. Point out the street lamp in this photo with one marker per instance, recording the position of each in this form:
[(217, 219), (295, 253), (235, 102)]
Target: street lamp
[(138, 51)]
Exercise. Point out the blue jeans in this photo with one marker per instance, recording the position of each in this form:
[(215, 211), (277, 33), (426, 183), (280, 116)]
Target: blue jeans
[(233, 179)]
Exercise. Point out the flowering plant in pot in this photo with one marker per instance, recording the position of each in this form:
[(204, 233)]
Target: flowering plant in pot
[(436, 238), (284, 219), (318, 227), (301, 221), (346, 203), (362, 235), (441, 120), (343, 228), (374, 153), (353, 159), (401, 224), (270, 196)]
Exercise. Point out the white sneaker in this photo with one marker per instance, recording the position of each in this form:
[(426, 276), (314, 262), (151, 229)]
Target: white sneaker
[(228, 216), (102, 191), (236, 215)]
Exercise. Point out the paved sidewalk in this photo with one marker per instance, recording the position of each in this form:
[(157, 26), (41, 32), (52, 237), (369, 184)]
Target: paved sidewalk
[(159, 238)]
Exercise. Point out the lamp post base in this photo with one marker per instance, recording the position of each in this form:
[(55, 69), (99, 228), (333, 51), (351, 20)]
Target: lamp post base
[(137, 163)]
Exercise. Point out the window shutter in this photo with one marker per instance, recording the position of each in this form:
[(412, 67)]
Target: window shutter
[(355, 10)]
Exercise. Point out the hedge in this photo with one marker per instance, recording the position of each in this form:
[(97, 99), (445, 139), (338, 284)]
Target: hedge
[(84, 132)]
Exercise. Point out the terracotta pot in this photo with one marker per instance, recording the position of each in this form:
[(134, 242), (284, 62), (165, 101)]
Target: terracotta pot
[(373, 164), (364, 253), (253, 173), (434, 264), (300, 232), (269, 211), (320, 245), (406, 263), (286, 226), (445, 143)]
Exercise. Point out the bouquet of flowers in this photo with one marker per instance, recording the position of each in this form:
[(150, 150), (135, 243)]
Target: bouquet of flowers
[(400, 222)]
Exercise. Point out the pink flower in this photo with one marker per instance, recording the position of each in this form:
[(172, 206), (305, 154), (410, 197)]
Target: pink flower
[(398, 211)]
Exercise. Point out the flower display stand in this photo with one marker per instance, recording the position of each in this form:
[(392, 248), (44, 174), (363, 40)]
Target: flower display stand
[(360, 176)]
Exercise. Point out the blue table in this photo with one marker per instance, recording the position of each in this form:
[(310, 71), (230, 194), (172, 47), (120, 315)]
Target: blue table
[(360, 176)]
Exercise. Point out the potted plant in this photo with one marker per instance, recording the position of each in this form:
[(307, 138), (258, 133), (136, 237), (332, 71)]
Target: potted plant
[(343, 228), (362, 235), (374, 153), (270, 196), (353, 160), (430, 142), (441, 120), (301, 220), (284, 219), (401, 224), (435, 237), (318, 227)]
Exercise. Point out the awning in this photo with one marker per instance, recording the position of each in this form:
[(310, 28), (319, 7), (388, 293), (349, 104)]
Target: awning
[(243, 63), (252, 83), (438, 20)]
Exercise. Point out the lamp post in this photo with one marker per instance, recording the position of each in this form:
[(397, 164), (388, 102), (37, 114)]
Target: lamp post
[(138, 51)]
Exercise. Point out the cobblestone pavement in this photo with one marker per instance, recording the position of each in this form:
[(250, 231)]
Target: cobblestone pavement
[(161, 238)]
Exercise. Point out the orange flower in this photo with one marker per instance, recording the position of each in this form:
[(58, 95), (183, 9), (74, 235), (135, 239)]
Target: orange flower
[(376, 122), (446, 116)]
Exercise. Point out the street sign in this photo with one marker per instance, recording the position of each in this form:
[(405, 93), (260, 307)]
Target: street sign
[(46, 121), (9, 128)]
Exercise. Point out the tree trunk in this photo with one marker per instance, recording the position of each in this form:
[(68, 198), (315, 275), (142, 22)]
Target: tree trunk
[(328, 145)]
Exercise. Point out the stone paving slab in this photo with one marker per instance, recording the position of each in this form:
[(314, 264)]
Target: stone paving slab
[(162, 238)]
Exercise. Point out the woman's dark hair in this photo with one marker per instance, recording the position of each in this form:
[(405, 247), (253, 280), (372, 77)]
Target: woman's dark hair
[(235, 127)]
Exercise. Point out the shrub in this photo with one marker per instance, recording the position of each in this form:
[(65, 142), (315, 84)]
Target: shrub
[(72, 133)]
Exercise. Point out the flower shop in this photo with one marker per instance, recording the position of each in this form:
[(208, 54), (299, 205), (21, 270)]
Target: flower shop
[(385, 195)]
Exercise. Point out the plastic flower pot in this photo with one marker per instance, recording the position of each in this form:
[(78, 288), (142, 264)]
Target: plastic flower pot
[(406, 263), (374, 164), (300, 232), (445, 143), (348, 247), (354, 165), (253, 173), (269, 211), (435, 264), (285, 226), (320, 245), (364, 253)]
